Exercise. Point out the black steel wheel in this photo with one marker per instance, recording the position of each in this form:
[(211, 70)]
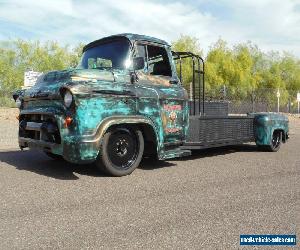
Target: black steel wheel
[(53, 156), (275, 143), (121, 152)]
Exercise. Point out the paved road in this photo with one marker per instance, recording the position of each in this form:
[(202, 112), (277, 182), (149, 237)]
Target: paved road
[(202, 202)]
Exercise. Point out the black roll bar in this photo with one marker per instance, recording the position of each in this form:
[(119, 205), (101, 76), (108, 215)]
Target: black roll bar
[(200, 71)]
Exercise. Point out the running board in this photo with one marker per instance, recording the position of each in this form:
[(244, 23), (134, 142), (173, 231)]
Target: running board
[(175, 153), (215, 144)]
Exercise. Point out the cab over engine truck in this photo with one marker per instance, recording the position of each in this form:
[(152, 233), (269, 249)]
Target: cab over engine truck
[(124, 101)]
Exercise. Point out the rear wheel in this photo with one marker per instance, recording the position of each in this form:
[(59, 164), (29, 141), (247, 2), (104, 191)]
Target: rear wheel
[(275, 142), (122, 151)]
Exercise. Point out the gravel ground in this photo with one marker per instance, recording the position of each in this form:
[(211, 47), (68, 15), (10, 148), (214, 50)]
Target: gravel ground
[(200, 202), (8, 128)]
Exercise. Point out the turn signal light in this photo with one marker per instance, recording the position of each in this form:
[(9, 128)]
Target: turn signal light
[(68, 121)]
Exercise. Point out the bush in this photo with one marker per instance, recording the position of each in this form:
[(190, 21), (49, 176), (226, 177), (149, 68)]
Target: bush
[(8, 102)]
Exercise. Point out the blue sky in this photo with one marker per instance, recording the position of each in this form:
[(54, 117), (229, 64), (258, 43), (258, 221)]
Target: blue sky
[(271, 24)]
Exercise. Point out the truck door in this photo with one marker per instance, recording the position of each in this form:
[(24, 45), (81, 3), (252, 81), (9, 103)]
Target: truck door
[(161, 96)]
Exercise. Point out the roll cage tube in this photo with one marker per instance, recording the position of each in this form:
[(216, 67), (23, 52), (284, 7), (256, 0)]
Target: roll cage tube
[(200, 71)]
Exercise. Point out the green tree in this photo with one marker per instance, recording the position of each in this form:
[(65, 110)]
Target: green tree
[(228, 69)]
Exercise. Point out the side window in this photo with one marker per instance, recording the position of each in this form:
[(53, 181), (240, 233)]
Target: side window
[(141, 52), (158, 61)]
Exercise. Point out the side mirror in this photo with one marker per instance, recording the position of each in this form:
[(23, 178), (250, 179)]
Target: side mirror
[(138, 63)]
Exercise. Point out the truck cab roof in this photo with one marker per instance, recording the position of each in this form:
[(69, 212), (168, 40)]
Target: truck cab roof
[(131, 37)]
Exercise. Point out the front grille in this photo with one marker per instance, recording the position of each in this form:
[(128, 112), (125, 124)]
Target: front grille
[(37, 117), (36, 135), (41, 127)]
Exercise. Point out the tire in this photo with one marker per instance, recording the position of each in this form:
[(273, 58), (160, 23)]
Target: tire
[(275, 142), (54, 156), (121, 152)]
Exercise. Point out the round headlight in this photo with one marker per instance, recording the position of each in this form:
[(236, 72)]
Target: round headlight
[(68, 99), (18, 102)]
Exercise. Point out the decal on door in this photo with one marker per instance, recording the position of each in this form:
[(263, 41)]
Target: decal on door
[(170, 118)]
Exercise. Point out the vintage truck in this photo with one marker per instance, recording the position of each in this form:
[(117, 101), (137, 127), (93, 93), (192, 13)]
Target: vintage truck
[(126, 100)]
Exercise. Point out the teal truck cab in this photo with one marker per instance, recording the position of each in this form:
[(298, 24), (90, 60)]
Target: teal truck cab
[(125, 101)]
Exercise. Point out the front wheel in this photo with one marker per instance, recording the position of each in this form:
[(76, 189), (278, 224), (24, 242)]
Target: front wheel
[(122, 151)]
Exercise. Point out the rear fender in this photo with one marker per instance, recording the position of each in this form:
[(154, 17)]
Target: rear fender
[(264, 127)]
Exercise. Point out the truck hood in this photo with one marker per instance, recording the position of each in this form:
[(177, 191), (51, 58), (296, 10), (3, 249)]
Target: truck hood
[(77, 80)]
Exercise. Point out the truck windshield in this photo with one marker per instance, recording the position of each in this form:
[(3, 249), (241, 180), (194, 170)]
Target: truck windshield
[(112, 55)]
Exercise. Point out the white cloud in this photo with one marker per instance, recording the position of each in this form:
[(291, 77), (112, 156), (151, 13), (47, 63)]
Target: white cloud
[(272, 24)]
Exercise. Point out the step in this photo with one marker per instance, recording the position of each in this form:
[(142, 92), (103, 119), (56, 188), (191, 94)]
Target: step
[(175, 153)]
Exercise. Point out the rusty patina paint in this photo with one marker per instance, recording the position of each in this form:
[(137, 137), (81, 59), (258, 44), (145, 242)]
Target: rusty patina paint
[(266, 123), (103, 98)]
